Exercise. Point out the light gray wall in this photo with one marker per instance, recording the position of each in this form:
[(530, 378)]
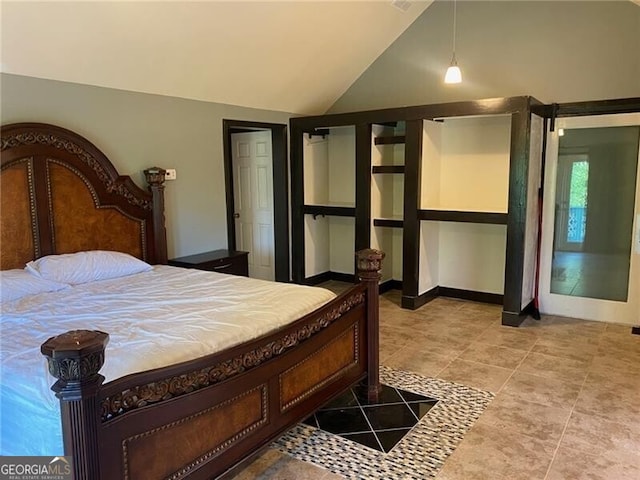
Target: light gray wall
[(137, 131), (556, 51)]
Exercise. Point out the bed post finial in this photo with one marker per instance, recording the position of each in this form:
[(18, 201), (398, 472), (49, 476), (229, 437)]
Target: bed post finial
[(369, 264), (155, 177), (75, 358)]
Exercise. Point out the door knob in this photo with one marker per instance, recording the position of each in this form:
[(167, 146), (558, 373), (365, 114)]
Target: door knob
[(236, 215)]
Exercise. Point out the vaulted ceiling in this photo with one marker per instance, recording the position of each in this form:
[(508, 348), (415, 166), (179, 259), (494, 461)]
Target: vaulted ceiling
[(294, 56)]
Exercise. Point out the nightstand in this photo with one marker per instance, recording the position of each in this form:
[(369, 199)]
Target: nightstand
[(221, 261)]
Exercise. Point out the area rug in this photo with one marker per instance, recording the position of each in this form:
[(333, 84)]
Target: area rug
[(419, 455)]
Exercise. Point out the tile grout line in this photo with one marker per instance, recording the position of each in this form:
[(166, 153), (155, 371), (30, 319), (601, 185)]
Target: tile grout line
[(519, 364), (364, 414), (566, 425), (454, 358)]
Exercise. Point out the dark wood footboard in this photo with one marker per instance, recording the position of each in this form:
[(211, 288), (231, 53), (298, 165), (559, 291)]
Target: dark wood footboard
[(201, 419)]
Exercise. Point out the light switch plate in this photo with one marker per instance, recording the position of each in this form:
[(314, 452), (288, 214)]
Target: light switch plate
[(171, 174)]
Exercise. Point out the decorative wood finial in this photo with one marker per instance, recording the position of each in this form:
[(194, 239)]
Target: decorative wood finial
[(75, 356), (369, 263), (155, 176)]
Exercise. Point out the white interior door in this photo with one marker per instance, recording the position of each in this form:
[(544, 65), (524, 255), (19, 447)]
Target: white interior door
[(590, 255), (253, 198)]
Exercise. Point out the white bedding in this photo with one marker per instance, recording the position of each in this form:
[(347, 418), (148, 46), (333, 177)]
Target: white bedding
[(155, 318)]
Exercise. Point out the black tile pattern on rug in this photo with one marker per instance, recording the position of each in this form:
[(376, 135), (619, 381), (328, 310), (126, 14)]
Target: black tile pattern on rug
[(378, 425), (418, 456)]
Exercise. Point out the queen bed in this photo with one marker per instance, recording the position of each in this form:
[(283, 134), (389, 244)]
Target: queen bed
[(201, 370)]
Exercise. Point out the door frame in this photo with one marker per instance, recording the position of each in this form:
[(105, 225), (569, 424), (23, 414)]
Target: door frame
[(280, 189)]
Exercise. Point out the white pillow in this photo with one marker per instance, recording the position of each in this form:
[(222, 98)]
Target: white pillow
[(15, 284), (83, 267)]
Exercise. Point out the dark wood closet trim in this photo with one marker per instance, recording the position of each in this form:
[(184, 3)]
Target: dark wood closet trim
[(512, 319), (388, 222), (363, 187), (391, 140), (516, 222), (387, 169), (492, 106), (597, 107), (411, 224), (328, 210), (280, 189), (465, 217), (297, 202)]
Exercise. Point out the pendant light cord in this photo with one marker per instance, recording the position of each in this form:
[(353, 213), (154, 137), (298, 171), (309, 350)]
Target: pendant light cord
[(454, 28)]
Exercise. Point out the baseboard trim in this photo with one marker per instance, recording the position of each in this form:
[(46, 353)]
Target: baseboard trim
[(390, 285), (472, 295), (317, 279), (413, 303), (343, 277), (326, 276)]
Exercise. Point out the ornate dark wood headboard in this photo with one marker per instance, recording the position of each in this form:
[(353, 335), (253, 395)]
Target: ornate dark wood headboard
[(61, 194)]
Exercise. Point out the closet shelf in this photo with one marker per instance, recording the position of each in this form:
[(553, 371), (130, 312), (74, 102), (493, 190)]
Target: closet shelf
[(388, 222), (387, 169), (495, 218), (333, 211), (395, 140)]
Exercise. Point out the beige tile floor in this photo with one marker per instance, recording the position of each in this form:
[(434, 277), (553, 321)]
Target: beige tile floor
[(567, 402)]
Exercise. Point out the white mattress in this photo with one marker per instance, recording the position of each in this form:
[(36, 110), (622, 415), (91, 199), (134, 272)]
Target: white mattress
[(156, 318)]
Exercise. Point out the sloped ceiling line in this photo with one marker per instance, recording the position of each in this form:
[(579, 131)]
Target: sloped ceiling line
[(296, 57)]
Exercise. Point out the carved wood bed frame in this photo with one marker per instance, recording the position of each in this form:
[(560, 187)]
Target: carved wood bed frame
[(199, 419)]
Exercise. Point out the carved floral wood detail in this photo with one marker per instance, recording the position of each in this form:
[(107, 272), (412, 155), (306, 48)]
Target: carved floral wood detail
[(75, 356), (168, 388), (112, 186)]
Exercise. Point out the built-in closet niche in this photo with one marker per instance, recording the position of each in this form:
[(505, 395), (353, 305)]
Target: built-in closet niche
[(329, 202), (387, 196), (463, 202), (447, 191)]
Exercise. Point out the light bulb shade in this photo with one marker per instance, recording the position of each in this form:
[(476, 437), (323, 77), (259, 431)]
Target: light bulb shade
[(453, 75)]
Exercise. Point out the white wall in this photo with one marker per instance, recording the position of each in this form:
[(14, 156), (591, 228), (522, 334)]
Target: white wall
[(317, 245), (137, 131), (342, 166), (329, 179), (316, 170), (465, 166), (555, 51), (429, 270), (472, 256)]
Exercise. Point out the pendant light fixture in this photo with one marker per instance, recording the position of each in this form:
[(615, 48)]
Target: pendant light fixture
[(453, 75)]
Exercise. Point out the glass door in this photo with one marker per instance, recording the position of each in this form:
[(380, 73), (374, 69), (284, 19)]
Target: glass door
[(589, 265)]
